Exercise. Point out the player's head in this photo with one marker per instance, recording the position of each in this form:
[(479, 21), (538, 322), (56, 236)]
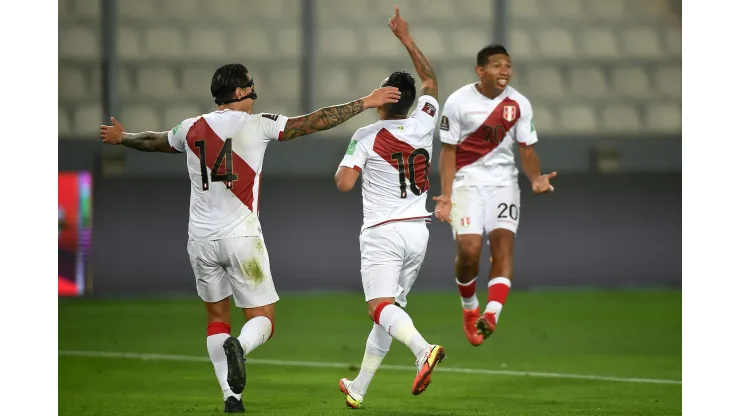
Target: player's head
[(233, 86), (407, 87), (494, 67)]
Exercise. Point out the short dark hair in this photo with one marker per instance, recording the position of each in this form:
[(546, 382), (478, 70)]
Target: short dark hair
[(407, 86), (226, 79), (488, 52)]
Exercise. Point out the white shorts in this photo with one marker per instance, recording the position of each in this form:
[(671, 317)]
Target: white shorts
[(392, 255), (236, 266), (482, 209)]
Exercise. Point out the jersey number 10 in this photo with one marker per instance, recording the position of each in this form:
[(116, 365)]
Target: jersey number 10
[(398, 157), (225, 154)]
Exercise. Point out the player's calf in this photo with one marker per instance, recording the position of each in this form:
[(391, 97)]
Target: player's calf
[(502, 253), (466, 267)]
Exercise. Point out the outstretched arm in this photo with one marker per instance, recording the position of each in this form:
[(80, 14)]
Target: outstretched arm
[(328, 117), (400, 28), (531, 167), (148, 141)]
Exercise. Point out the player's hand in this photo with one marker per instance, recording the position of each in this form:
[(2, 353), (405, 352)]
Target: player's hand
[(382, 96), (443, 208), (541, 185), (399, 27), (112, 134)]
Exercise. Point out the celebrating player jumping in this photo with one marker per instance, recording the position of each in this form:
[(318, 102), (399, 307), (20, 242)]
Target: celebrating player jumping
[(393, 155), (481, 125), (225, 150)]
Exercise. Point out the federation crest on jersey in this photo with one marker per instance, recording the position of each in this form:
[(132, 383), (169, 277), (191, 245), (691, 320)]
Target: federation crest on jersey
[(509, 113), (465, 221)]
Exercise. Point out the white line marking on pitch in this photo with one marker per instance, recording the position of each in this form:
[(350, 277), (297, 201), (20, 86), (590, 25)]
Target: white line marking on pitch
[(282, 363)]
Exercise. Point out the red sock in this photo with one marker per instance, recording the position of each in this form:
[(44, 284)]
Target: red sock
[(498, 289), (467, 293), (218, 328)]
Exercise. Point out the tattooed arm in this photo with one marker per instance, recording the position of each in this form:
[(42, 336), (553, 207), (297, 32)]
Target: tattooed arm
[(328, 117), (400, 28), (148, 141)]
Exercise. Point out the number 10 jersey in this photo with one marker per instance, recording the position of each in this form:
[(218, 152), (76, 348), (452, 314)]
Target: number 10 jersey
[(225, 150), (394, 158)]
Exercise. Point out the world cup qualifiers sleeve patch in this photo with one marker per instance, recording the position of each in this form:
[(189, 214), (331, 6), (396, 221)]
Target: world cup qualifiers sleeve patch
[(351, 147), (429, 109), (272, 117), (445, 124)]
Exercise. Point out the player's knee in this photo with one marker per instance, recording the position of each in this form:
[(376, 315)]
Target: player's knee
[(468, 251)]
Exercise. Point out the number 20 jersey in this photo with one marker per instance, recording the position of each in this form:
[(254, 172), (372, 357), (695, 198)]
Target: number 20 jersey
[(394, 158), (219, 209)]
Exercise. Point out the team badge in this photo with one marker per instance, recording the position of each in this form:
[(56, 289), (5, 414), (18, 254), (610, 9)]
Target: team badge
[(509, 113), (465, 221)]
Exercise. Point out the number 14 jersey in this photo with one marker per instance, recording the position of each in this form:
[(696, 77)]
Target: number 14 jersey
[(225, 150), (394, 158)]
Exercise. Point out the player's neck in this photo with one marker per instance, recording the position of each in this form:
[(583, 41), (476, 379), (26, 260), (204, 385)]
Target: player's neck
[(489, 92), (228, 107), (394, 118)]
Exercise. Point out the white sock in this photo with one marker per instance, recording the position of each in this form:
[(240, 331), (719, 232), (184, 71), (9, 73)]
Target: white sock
[(400, 326), (378, 344), (255, 333), (470, 303), (498, 289), (215, 344)]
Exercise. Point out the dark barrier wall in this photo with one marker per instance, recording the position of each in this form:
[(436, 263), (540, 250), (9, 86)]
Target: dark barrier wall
[(596, 230)]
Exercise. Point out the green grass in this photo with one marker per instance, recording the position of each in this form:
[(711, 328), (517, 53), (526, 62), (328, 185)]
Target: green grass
[(618, 334)]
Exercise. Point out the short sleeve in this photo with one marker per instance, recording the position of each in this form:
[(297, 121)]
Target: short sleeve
[(177, 137), (449, 127), (524, 132), (272, 125), (426, 111), (356, 154)]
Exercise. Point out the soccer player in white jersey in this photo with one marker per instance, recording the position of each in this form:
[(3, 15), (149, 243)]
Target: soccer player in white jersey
[(225, 150), (482, 124), (393, 155)]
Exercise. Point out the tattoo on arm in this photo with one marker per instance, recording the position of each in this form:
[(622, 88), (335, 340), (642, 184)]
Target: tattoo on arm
[(148, 141), (322, 119), (424, 69)]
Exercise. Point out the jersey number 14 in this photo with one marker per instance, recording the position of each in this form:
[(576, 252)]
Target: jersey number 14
[(224, 155)]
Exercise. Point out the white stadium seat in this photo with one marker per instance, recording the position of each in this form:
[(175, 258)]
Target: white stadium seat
[(588, 82), (641, 43), (79, 42), (556, 43), (664, 117), (64, 124), (88, 118), (157, 82), (600, 43), (668, 81), (631, 81), (177, 113), (207, 43), (164, 42), (141, 118), (72, 83), (621, 118), (337, 41), (578, 118)]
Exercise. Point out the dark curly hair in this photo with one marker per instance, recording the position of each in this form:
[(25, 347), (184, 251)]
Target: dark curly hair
[(226, 79), (407, 86), (489, 51)]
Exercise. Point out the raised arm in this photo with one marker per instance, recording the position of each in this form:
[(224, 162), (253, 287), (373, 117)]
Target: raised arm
[(147, 141), (328, 117), (400, 28)]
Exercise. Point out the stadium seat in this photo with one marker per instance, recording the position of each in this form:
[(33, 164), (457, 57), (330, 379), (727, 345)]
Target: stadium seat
[(430, 41), (285, 82), (442, 10), (338, 42), (664, 117), (125, 83), (330, 11), (563, 9), (64, 124), (384, 9), (141, 118), (176, 114), (138, 10), (380, 42), (599, 43), (252, 42), (129, 46), (673, 41), (157, 83), (544, 121), (182, 9), (588, 82), (520, 45), (524, 9), (164, 42), (621, 118), (641, 43), (453, 78), (79, 42), (369, 77), (87, 9), (631, 81), (334, 83), (545, 82), (289, 43), (668, 81), (467, 42), (578, 118), (207, 43), (87, 119), (72, 83), (231, 10), (556, 43), (196, 82), (476, 9), (605, 9)]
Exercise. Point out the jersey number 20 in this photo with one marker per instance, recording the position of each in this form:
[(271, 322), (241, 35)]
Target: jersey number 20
[(410, 162), (225, 154)]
